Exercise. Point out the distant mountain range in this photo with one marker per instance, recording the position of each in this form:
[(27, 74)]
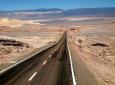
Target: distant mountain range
[(40, 10), (58, 13), (91, 12)]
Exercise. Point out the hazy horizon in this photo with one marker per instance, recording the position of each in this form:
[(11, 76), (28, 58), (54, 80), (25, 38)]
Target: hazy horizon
[(61, 4), (53, 8)]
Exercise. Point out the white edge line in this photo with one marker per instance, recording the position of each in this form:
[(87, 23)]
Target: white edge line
[(71, 65), (4, 70), (44, 62), (32, 76)]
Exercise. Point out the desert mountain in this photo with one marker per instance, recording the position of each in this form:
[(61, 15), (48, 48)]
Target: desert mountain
[(55, 13)]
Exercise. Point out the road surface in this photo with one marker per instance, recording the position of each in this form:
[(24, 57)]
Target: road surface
[(49, 67)]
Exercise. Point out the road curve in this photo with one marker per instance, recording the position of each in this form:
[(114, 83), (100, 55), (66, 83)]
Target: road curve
[(49, 67)]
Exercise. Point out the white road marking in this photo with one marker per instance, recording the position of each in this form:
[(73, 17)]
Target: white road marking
[(4, 70), (71, 65), (32, 76), (44, 62), (50, 56)]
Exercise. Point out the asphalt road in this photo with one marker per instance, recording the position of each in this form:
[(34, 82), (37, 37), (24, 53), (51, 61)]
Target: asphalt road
[(50, 67)]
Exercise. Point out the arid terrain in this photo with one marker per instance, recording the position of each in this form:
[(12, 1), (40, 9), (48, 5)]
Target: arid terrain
[(91, 42), (19, 38), (92, 45)]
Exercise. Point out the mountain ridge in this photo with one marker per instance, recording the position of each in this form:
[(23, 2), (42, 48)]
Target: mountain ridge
[(58, 13)]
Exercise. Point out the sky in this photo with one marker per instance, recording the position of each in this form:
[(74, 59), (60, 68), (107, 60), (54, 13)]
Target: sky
[(63, 4)]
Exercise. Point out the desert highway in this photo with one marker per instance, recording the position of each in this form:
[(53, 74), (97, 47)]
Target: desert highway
[(52, 66)]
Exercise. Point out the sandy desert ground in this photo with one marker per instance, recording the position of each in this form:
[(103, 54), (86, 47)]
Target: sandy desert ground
[(21, 38), (94, 58)]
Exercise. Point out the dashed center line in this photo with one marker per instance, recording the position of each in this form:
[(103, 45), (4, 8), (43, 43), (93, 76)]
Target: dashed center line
[(32, 76), (50, 56), (44, 62)]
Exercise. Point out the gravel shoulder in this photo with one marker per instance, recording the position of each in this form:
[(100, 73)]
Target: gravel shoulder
[(94, 58)]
